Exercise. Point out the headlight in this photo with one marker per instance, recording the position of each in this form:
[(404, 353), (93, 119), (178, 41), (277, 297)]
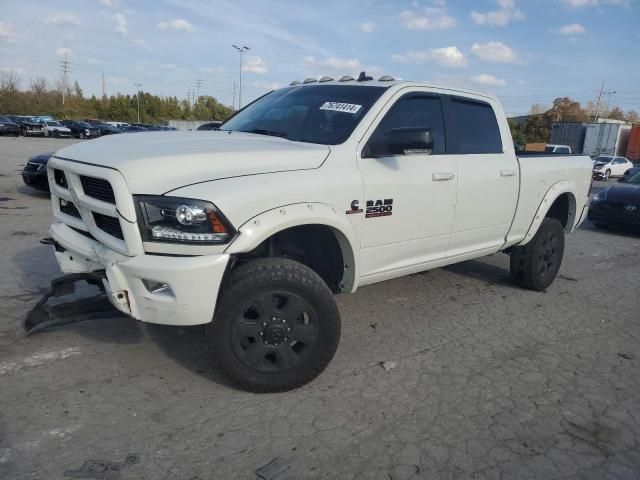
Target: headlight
[(181, 220), (600, 196)]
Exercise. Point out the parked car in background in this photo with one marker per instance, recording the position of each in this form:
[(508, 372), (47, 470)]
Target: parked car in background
[(117, 124), (629, 173), (44, 118), (106, 129), (132, 129), (147, 126), (9, 127), (28, 125), (618, 204), (81, 129), (55, 129), (606, 166), (209, 126), (562, 149), (34, 173)]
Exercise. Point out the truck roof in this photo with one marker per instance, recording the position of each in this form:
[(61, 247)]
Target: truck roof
[(386, 84)]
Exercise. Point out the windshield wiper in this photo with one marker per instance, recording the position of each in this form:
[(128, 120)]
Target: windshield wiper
[(271, 133)]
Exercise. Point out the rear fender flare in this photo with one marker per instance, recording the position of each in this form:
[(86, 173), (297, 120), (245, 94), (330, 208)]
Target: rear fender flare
[(551, 196), (266, 224)]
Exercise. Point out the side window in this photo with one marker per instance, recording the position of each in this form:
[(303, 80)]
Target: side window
[(417, 111), (562, 150), (617, 161), (472, 127)]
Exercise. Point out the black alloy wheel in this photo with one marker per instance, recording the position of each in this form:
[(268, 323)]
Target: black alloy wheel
[(274, 331), (276, 326)]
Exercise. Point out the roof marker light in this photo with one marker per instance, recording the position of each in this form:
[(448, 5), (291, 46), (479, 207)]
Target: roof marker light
[(386, 78), (309, 80), (346, 78), (325, 79), (295, 82)]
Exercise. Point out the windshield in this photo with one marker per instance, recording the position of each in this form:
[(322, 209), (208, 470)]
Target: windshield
[(603, 159), (53, 124), (324, 114)]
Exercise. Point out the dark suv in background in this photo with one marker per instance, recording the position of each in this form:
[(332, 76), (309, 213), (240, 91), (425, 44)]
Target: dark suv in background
[(9, 127), (81, 129)]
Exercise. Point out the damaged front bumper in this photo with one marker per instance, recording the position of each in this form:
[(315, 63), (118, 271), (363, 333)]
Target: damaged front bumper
[(169, 290)]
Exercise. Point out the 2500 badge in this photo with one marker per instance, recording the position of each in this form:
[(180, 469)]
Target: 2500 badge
[(379, 208)]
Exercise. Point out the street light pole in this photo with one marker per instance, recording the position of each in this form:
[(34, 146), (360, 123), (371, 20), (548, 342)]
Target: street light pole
[(240, 50), (138, 98)]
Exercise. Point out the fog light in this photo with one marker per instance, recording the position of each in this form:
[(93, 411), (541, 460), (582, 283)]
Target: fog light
[(158, 288)]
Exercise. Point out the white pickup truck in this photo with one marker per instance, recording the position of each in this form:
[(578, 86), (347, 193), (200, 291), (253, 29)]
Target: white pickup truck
[(314, 189)]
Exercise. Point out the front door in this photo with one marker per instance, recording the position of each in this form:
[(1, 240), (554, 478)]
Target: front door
[(409, 196)]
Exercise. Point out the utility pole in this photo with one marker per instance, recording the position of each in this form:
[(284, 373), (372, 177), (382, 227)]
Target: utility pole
[(199, 83), (138, 85), (602, 92), (65, 69), (233, 99), (240, 50), (104, 89)]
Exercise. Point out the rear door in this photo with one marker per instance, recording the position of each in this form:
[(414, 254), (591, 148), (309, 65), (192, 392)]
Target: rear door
[(409, 199), (488, 175)]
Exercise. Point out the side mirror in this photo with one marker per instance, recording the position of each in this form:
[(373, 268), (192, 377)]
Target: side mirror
[(410, 141)]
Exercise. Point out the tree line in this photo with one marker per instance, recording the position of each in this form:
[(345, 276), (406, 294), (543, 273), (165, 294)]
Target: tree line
[(41, 98), (537, 127)]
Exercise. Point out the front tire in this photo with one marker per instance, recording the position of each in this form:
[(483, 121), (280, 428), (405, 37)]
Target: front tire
[(607, 174), (536, 264), (276, 327)]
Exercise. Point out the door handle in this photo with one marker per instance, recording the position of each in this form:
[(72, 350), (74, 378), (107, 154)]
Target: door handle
[(439, 177), (507, 173)]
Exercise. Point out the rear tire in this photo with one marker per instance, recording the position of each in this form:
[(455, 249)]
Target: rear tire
[(536, 264), (276, 327)]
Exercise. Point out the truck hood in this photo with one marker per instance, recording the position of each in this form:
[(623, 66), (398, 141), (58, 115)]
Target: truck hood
[(158, 162)]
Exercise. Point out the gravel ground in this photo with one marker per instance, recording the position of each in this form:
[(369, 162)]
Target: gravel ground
[(488, 380)]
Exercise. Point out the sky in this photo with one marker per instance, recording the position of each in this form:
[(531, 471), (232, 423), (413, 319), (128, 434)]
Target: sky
[(523, 51)]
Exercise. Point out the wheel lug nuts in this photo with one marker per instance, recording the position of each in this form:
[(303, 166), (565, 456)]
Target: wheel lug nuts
[(273, 319), (285, 339), (261, 334), (288, 329), (265, 342), (264, 324), (284, 320)]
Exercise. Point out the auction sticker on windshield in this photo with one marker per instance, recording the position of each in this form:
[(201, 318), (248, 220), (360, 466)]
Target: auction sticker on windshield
[(341, 107)]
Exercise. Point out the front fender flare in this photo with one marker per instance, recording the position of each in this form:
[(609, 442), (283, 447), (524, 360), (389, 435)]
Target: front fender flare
[(262, 226)]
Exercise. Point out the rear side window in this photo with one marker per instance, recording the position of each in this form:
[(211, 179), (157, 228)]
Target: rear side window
[(562, 150), (412, 111), (472, 128)]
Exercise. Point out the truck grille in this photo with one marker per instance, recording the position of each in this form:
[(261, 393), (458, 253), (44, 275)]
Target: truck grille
[(98, 188), (110, 225), (60, 178), (69, 208), (95, 202)]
